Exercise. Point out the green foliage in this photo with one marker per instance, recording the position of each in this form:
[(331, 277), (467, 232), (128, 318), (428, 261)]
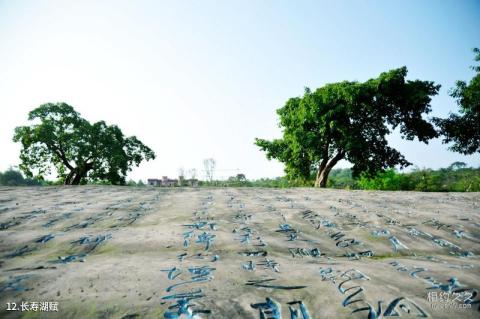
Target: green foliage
[(387, 180), (278, 182), (79, 151), (131, 182), (456, 178), (350, 120), (89, 182), (463, 130), (237, 180), (282, 182), (452, 179), (341, 178), (457, 165), (13, 177)]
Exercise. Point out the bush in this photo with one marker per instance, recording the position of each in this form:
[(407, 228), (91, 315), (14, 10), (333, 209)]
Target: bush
[(452, 179)]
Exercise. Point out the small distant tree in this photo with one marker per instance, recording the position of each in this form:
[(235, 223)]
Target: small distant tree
[(181, 176), (457, 165), (181, 171), (78, 150), (241, 177), (192, 173), (209, 165), (350, 121), (12, 177), (140, 183), (131, 182), (463, 130)]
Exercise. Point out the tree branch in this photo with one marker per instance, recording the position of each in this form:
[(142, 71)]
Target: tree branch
[(335, 159), (61, 154)]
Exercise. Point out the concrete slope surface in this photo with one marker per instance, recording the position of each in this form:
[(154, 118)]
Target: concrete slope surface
[(145, 252)]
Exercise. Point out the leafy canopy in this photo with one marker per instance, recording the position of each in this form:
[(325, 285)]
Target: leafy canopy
[(350, 120), (78, 150), (464, 129)]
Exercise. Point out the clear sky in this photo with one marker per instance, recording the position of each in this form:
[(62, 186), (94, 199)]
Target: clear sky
[(199, 79)]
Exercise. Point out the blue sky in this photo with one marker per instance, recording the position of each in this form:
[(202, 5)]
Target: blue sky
[(199, 79)]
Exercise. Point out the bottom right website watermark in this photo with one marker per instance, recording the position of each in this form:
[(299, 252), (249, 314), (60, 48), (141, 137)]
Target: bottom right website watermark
[(442, 300)]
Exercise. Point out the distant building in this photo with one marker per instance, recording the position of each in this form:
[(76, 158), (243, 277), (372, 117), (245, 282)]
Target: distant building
[(167, 182), (154, 182)]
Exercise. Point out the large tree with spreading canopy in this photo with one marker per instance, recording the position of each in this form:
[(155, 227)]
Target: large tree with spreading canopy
[(350, 121), (79, 151)]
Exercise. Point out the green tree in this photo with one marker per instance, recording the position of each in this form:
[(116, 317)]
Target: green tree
[(12, 177), (78, 150), (350, 120), (457, 165), (464, 129), (131, 182)]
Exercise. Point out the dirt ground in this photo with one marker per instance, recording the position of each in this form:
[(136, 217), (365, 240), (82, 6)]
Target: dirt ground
[(125, 252)]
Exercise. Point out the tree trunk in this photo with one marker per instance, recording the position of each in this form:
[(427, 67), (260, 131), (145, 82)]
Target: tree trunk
[(76, 180), (325, 168), (322, 178), (75, 176), (320, 171), (68, 179)]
